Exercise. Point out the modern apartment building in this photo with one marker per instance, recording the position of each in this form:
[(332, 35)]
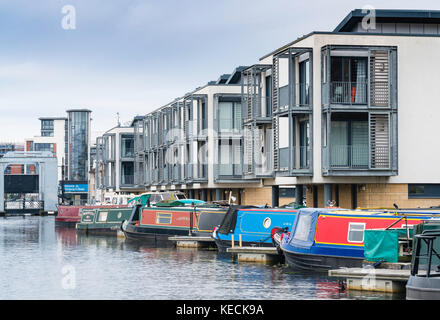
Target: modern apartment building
[(115, 162), (195, 144), (353, 111), (344, 117)]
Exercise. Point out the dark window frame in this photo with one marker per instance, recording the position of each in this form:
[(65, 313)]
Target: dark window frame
[(428, 191)]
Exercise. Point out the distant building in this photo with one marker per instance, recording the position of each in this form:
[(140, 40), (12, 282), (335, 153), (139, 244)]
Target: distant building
[(6, 147), (68, 139), (52, 138), (114, 166)]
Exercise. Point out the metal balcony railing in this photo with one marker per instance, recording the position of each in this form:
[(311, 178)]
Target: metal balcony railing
[(127, 179), (229, 126), (349, 156), (127, 152), (350, 93)]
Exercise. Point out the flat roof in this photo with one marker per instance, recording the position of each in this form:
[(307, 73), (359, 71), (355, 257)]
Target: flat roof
[(390, 16), (52, 118), (78, 110), (382, 15)]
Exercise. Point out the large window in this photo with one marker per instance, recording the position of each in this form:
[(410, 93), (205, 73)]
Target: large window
[(349, 142), (78, 145), (47, 128), (229, 117), (127, 146), (127, 173), (230, 163), (424, 191), (304, 83), (349, 80), (44, 147)]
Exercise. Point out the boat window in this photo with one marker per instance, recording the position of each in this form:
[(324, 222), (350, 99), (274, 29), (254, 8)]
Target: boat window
[(356, 232), (102, 216), (163, 218), (303, 228)]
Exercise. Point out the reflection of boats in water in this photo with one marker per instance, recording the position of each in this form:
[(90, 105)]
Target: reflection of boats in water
[(66, 235), (177, 218)]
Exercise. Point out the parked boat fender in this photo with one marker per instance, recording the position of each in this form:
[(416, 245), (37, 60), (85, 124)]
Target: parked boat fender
[(277, 234)]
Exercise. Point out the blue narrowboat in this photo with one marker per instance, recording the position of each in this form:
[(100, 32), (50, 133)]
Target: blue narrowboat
[(324, 239), (251, 226)]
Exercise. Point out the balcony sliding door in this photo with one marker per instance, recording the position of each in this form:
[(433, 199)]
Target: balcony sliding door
[(349, 80), (349, 144)]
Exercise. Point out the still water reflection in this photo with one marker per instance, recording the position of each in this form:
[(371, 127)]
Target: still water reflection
[(41, 261)]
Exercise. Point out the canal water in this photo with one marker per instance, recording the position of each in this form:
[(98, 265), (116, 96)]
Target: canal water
[(41, 261)]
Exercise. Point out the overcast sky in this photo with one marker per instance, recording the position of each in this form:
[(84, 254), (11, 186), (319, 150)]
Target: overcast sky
[(132, 56)]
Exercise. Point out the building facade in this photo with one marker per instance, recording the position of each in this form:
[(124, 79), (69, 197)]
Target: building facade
[(336, 118), (52, 138), (350, 108), (196, 144), (115, 163), (68, 139)]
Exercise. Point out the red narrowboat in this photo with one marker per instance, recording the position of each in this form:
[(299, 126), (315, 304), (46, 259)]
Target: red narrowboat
[(153, 224), (323, 239)]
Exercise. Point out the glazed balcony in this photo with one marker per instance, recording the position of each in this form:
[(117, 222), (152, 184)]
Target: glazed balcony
[(348, 93), (359, 160), (356, 77), (295, 159)]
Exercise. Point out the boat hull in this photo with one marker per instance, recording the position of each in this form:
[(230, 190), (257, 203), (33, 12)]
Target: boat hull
[(152, 235), (158, 224), (423, 288), (109, 229), (253, 226), (69, 216), (319, 263)]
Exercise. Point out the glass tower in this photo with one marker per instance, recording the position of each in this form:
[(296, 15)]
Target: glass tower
[(78, 144)]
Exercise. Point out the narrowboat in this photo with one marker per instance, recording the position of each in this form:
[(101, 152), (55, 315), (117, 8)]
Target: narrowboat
[(69, 216), (176, 218), (324, 239), (103, 221), (251, 226), (109, 220), (424, 280)]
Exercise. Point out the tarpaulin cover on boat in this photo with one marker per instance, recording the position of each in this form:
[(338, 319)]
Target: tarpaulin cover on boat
[(167, 203), (383, 244), (143, 199), (303, 230), (228, 224)]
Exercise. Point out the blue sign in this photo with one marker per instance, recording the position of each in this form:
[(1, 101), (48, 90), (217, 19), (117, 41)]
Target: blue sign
[(74, 188)]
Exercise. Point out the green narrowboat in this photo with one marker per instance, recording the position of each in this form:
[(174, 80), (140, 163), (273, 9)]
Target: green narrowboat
[(108, 220)]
